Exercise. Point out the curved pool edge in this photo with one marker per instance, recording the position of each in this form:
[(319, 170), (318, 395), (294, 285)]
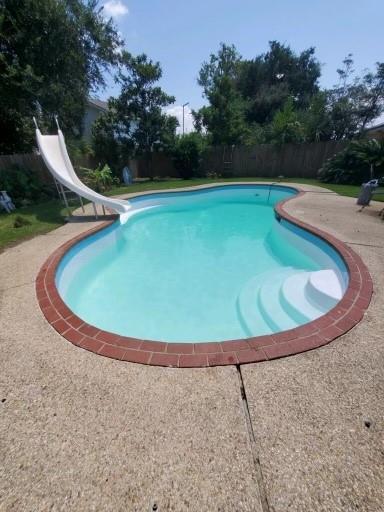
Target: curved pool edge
[(339, 320)]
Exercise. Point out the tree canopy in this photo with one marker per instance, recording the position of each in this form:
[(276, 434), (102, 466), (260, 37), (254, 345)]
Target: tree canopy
[(267, 81), (135, 124), (53, 53), (276, 97)]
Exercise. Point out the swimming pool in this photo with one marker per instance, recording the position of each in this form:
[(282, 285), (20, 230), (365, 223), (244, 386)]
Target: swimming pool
[(202, 266)]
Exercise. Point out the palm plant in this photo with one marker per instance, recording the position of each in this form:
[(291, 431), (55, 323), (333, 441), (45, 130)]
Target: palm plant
[(99, 179), (370, 152), (354, 164)]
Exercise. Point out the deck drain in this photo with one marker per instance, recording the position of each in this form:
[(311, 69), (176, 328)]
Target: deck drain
[(3, 400), (155, 507), (367, 423)]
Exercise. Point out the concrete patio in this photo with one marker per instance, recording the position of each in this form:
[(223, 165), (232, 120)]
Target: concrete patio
[(82, 432)]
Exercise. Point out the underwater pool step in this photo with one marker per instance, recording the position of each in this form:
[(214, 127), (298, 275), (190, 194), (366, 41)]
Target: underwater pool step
[(250, 314), (282, 299), (270, 304)]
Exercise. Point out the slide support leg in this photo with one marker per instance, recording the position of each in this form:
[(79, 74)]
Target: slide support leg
[(65, 200)]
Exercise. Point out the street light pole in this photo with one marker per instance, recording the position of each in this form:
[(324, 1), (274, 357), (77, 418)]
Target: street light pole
[(185, 104)]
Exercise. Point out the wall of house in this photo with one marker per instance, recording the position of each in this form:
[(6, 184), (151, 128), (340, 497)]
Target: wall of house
[(91, 114), (376, 134)]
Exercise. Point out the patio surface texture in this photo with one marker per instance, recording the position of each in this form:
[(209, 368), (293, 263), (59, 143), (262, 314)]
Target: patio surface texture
[(81, 432)]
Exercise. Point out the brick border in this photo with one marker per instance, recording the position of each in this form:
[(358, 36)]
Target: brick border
[(339, 320)]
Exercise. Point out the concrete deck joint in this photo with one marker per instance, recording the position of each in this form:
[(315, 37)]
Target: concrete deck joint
[(252, 441)]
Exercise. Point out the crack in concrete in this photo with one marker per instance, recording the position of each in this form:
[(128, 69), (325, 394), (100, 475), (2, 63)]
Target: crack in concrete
[(320, 192), (365, 245), (252, 439), (16, 286)]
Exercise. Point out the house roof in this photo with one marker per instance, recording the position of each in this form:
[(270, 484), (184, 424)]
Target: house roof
[(100, 104), (376, 128)]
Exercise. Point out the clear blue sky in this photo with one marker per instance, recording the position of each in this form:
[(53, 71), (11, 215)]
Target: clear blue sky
[(181, 34)]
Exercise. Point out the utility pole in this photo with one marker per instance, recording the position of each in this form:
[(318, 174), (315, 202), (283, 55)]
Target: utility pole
[(185, 104)]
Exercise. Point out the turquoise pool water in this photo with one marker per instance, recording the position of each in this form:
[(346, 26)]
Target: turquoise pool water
[(199, 266)]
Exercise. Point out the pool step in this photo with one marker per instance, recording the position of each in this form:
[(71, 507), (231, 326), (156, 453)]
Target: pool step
[(250, 314), (297, 300), (324, 287), (279, 300), (277, 317), (247, 310)]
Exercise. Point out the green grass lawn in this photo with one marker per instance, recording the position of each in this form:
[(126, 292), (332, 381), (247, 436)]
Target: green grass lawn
[(45, 217), (42, 218)]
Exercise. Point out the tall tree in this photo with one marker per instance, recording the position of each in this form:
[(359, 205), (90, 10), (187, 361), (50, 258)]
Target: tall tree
[(275, 97), (246, 94), (225, 63), (286, 125), (272, 77), (52, 54), (355, 101), (316, 119), (223, 118), (136, 124)]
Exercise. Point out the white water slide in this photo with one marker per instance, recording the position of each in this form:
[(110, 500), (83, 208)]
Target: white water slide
[(55, 155)]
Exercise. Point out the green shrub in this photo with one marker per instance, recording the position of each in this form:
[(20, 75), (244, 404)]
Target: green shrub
[(213, 175), (24, 185), (355, 164), (79, 148), (286, 126), (99, 179), (187, 154), (21, 221)]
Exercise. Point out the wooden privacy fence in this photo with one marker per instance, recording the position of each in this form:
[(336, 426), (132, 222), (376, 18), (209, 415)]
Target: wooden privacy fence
[(160, 165), (28, 162), (263, 160), (268, 160), (33, 162)]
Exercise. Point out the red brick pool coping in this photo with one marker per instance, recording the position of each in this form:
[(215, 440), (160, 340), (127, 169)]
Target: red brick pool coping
[(339, 320)]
